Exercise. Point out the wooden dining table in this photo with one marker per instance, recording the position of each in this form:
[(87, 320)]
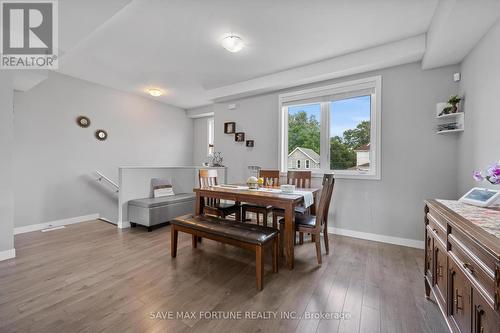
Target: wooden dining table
[(276, 199)]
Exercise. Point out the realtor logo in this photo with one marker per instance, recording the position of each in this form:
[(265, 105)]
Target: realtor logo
[(29, 38)]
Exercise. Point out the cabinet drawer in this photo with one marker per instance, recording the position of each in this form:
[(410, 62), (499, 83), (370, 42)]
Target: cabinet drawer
[(438, 229), (485, 259), (438, 218), (480, 278)]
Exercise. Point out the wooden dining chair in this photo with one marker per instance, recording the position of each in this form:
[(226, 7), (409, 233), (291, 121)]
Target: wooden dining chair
[(299, 179), (268, 175), (315, 224), (212, 206)]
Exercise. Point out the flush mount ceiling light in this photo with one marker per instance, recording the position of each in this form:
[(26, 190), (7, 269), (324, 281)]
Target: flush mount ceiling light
[(155, 92), (233, 43)]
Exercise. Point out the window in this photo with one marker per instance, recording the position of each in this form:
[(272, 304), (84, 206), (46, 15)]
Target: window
[(210, 131), (336, 127)]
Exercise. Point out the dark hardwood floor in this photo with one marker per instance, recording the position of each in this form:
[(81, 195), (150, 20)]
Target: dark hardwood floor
[(91, 277)]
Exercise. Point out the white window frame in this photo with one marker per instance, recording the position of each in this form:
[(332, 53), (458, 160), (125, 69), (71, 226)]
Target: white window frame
[(307, 164), (297, 164), (374, 83), (210, 134)]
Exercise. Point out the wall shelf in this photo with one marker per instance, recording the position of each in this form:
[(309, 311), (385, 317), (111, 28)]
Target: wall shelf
[(450, 131), (450, 115), (456, 120)]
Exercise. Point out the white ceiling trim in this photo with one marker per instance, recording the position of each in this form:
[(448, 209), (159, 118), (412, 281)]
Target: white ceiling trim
[(392, 54), (456, 27)]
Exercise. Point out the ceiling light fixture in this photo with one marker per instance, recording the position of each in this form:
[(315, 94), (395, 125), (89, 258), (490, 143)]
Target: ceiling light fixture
[(233, 43), (155, 92)]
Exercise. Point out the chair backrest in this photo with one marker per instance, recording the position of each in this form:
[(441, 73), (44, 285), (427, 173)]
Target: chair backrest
[(324, 200), (274, 175), (207, 177), (299, 178)]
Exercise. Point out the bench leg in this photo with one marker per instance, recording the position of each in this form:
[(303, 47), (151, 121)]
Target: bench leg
[(276, 243), (173, 242), (259, 267), (301, 238), (194, 241)]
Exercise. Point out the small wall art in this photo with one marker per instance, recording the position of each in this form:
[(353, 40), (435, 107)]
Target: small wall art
[(101, 135), (239, 137), (230, 128), (250, 143), (83, 121)]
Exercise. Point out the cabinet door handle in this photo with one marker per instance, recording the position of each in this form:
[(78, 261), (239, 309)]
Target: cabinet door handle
[(468, 266), (479, 319), (457, 295), (440, 271)]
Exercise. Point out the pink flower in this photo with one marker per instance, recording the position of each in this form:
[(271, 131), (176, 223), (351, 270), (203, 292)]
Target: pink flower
[(493, 170), (478, 177)]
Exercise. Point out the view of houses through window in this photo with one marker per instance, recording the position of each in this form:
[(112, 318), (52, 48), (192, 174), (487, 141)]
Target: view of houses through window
[(348, 134)]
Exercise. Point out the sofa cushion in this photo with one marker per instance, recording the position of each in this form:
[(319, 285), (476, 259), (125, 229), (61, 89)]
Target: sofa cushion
[(162, 201)]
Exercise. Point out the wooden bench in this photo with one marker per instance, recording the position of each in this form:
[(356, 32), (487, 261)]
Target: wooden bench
[(248, 236)]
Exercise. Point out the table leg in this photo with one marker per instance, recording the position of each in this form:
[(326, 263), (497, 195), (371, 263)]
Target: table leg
[(198, 210), (200, 202), (289, 235)]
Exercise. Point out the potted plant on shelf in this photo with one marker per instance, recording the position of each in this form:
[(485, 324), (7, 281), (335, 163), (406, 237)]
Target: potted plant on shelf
[(492, 174), (453, 101)]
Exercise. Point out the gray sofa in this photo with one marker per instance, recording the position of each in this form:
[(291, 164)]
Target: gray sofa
[(152, 211)]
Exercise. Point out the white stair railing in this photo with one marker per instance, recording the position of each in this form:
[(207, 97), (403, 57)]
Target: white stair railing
[(102, 178)]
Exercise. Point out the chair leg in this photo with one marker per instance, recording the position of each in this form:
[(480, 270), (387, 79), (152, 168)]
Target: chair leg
[(264, 219), (318, 249), (327, 244), (243, 215), (238, 215), (258, 218), (276, 242), (301, 238), (259, 267), (313, 237), (194, 241), (173, 242), (282, 240)]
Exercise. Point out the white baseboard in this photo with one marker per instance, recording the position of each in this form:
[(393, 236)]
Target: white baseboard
[(377, 238), (123, 224), (58, 223), (9, 254)]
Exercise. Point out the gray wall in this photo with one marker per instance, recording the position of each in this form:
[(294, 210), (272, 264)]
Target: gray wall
[(416, 163), (479, 145), (55, 159), (6, 177)]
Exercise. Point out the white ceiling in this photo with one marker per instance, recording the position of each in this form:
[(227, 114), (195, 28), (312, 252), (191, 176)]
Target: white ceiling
[(174, 45)]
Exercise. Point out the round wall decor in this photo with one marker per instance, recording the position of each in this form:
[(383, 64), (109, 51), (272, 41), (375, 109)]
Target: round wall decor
[(83, 121), (101, 135)]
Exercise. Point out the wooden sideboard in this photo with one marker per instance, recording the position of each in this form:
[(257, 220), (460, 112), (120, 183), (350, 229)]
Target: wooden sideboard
[(462, 267)]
